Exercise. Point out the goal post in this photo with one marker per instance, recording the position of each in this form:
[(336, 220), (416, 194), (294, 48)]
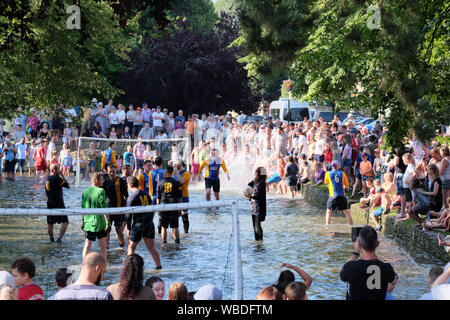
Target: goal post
[(238, 274), (183, 146)]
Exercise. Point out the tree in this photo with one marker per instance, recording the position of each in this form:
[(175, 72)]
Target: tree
[(191, 69), (397, 70), (56, 64)]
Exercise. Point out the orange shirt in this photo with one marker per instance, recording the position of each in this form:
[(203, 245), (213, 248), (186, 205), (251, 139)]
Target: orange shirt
[(365, 168), (189, 126)]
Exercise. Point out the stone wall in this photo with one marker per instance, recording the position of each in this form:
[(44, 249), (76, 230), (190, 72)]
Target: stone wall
[(412, 237), (405, 234)]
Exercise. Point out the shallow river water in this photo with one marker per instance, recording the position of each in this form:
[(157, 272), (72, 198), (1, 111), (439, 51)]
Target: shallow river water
[(294, 232)]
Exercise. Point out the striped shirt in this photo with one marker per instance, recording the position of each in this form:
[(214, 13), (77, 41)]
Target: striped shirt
[(83, 292)]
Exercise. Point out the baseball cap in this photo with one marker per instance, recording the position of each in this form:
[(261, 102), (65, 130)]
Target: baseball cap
[(269, 118), (335, 164), (364, 154), (208, 292), (6, 279), (139, 108)]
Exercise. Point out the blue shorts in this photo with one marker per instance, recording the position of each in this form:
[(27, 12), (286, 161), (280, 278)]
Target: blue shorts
[(185, 199), (380, 211), (275, 178), (92, 163)]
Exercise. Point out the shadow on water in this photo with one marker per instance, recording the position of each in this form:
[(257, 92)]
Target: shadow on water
[(294, 232)]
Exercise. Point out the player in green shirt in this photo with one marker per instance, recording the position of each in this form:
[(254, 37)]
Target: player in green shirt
[(95, 226)]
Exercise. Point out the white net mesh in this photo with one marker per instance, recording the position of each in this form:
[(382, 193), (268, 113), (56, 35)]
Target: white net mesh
[(215, 259)]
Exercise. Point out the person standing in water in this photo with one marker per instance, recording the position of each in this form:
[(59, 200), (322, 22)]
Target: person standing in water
[(258, 201), (213, 164)]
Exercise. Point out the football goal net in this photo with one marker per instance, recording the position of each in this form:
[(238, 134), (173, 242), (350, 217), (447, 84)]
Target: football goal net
[(91, 151), (21, 231)]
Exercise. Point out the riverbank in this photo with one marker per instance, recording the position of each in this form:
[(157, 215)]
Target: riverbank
[(407, 233)]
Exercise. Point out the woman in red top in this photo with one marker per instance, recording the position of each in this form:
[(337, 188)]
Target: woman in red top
[(41, 164)]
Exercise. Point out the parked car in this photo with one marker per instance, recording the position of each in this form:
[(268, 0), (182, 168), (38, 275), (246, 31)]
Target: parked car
[(358, 117), (254, 118)]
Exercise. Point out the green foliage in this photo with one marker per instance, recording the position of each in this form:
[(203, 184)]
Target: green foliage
[(400, 71), (200, 14), (228, 6), (60, 65)]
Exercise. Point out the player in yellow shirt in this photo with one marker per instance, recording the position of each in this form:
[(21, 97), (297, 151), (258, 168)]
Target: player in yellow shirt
[(213, 164), (109, 156)]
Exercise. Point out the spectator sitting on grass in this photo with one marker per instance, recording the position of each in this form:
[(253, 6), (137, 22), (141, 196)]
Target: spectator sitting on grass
[(365, 202), (319, 173), (421, 203), (442, 222)]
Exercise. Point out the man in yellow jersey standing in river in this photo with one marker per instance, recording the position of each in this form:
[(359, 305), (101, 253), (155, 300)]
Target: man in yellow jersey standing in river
[(213, 164)]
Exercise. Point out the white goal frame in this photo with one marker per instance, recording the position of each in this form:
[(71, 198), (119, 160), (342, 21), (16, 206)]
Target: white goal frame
[(186, 151), (238, 275)]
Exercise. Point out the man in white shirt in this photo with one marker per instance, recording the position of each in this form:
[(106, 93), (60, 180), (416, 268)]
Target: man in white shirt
[(121, 114), (21, 156), (113, 119), (302, 142), (319, 148), (158, 116)]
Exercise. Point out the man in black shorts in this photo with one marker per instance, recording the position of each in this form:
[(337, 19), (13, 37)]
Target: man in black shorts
[(140, 225), (337, 183), (53, 188), (116, 197), (169, 191)]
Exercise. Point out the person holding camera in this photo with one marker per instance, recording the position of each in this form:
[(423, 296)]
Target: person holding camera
[(367, 277)]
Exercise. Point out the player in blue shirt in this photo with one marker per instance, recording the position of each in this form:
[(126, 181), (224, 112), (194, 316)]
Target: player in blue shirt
[(337, 183)]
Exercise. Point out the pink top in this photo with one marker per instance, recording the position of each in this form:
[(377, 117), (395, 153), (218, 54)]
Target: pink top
[(138, 151)]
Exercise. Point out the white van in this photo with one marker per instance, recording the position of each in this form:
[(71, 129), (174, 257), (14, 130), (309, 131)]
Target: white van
[(299, 110)]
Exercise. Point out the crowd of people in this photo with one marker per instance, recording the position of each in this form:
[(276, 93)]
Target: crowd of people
[(367, 278), (281, 156)]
